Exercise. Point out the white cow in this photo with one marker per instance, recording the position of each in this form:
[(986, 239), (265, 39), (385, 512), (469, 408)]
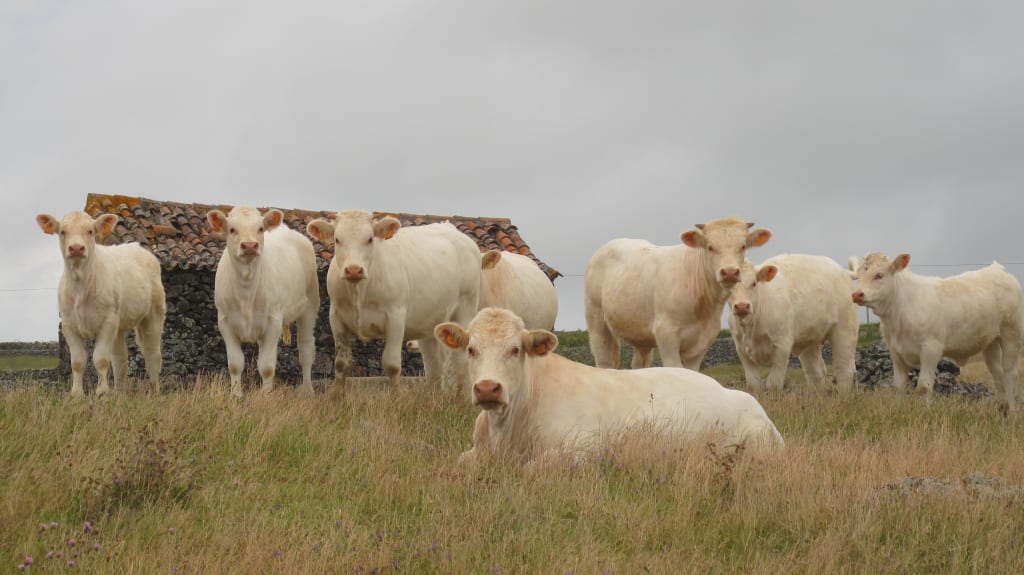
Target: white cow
[(538, 404), (266, 281), (104, 292), (794, 303), (926, 318), (514, 282), (396, 283), (669, 297)]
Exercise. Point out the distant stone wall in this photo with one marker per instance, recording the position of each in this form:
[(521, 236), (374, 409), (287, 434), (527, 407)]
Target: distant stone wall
[(192, 344)]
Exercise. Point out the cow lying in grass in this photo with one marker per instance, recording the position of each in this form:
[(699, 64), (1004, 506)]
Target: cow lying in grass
[(538, 404)]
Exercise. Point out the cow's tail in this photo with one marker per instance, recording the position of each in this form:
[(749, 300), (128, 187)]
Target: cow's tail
[(286, 334)]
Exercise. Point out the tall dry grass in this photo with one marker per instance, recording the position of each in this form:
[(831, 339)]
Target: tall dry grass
[(367, 481)]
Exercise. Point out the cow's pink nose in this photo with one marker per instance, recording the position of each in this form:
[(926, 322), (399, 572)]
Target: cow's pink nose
[(729, 275), (76, 250), (354, 273), (250, 248), (741, 308), (487, 391), (858, 296)]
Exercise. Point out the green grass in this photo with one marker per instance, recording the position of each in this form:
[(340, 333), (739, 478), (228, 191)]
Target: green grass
[(198, 482), (27, 362)]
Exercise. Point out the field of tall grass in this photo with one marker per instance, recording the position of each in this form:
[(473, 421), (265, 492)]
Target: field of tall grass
[(367, 481)]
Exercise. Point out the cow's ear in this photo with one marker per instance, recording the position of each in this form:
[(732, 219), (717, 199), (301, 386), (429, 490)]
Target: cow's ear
[(272, 219), (900, 263), (322, 230), (217, 220), (386, 227), (539, 342), (452, 335), (693, 238), (490, 259), (47, 223), (757, 238), (105, 224), (767, 273)]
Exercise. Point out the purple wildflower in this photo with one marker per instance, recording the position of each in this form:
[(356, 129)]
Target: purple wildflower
[(96, 546), (54, 524), (88, 527), (71, 542), (71, 562), (42, 527), (21, 566), (28, 560)]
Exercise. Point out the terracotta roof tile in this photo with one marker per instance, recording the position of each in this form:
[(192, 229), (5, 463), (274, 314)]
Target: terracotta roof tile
[(178, 234)]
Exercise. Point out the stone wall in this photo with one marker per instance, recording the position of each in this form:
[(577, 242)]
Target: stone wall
[(192, 344)]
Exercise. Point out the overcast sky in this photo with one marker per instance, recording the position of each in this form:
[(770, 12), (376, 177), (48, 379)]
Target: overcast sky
[(842, 127)]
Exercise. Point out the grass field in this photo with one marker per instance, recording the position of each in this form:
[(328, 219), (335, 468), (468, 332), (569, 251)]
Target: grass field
[(27, 362), (368, 482)]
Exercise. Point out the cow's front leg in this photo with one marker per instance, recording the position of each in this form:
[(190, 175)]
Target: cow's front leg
[(236, 359), (780, 363), (342, 347), (76, 347), (101, 356), (267, 362), (900, 372), (751, 371), (119, 360), (393, 344), (669, 345), (930, 356)]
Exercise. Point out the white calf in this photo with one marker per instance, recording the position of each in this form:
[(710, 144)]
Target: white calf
[(104, 292), (793, 304), (396, 283), (266, 280), (926, 318)]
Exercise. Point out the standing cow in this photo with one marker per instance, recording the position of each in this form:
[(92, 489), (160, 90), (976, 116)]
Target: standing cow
[(538, 405), (104, 292), (926, 318), (794, 303), (396, 283), (266, 280), (514, 282), (669, 297)]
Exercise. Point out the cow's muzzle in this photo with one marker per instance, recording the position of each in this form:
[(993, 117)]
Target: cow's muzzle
[(354, 273), (741, 309), (858, 297), (488, 394)]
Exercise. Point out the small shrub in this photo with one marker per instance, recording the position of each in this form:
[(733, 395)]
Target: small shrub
[(146, 471)]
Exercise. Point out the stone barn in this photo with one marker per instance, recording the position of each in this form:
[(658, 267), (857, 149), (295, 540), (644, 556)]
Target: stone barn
[(189, 250)]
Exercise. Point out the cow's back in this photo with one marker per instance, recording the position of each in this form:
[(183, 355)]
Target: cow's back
[(632, 281), (518, 284), (132, 273), (976, 306), (817, 295), (430, 271), (289, 263)]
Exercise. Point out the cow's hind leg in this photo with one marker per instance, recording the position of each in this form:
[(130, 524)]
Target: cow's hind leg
[(307, 350), (148, 335), (641, 357), (119, 360), (814, 366), (603, 344), (434, 368)]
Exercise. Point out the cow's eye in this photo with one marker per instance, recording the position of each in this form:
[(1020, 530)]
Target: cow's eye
[(63, 233), (369, 240), (261, 229), (711, 248), (90, 232), (879, 276), (514, 352), (753, 284), (743, 249), (232, 231), (471, 351)]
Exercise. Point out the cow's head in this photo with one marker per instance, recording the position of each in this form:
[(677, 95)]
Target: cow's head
[(78, 233), (244, 228), (354, 234), (497, 344), (876, 276), (725, 242), (744, 297)]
